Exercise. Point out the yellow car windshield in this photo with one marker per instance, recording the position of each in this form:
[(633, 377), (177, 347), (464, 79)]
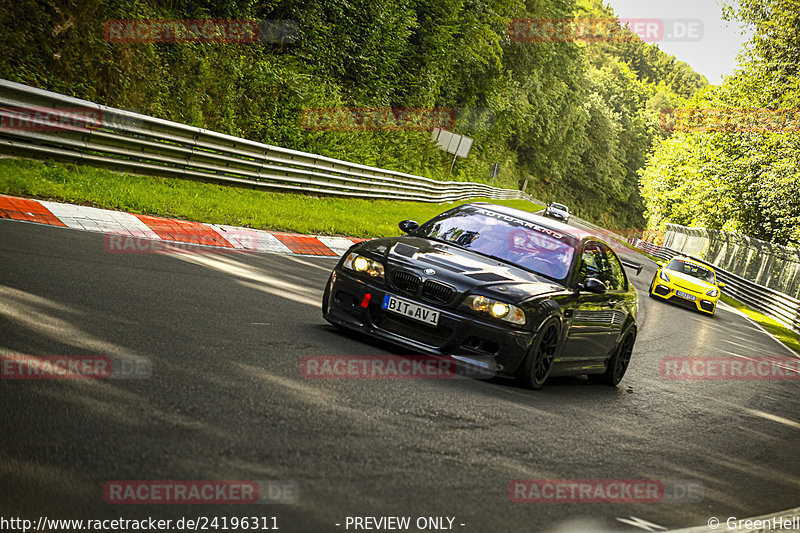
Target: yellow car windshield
[(692, 269)]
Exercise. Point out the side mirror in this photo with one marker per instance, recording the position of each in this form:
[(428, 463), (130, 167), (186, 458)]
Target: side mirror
[(408, 226), (721, 285), (593, 285)]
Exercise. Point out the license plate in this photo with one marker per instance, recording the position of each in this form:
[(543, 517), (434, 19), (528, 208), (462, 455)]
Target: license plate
[(411, 310), (685, 296)]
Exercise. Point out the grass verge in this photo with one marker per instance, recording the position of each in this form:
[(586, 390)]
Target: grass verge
[(217, 204), (784, 334)]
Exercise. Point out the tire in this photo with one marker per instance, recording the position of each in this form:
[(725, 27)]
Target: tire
[(539, 362), (618, 364)]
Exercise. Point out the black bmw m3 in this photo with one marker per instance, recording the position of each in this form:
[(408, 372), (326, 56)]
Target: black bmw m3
[(493, 287)]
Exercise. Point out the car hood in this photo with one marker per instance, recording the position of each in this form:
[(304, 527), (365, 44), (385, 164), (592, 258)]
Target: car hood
[(463, 270), (688, 282)]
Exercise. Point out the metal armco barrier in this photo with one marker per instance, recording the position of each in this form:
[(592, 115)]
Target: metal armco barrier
[(140, 144), (782, 307), (662, 253)]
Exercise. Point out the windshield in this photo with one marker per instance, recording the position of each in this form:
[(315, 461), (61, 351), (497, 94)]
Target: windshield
[(694, 270), (505, 237), (559, 207)]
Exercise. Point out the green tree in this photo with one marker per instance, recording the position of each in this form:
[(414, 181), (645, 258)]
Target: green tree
[(743, 178)]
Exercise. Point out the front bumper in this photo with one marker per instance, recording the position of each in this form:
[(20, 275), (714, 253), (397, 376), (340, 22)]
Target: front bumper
[(459, 335), (667, 291)]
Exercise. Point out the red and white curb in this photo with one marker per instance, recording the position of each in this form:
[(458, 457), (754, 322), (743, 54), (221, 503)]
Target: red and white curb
[(123, 225)]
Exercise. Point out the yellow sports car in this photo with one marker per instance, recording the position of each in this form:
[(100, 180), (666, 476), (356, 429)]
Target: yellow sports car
[(687, 282)]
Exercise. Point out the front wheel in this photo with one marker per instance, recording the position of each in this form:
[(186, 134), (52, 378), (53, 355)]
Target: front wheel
[(618, 364), (539, 362)]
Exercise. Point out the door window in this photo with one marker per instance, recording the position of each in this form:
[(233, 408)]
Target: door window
[(598, 261), (615, 274), (591, 263)]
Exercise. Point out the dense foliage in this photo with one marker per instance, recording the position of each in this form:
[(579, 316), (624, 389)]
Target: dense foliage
[(572, 120), (745, 176)]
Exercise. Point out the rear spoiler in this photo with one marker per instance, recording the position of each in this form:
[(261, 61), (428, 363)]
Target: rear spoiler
[(635, 266)]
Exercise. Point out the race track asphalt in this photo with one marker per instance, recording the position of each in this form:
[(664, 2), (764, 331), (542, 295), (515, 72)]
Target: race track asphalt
[(225, 335)]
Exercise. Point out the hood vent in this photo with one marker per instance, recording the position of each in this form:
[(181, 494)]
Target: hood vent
[(405, 250), (487, 277)]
